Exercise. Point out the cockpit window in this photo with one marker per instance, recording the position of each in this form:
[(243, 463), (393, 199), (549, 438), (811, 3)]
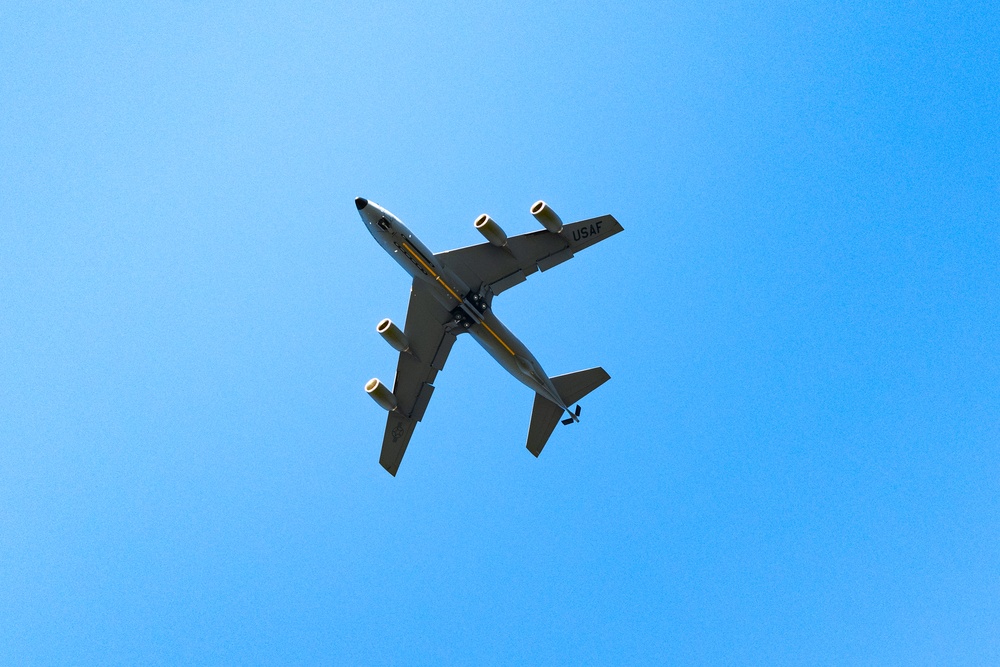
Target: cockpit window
[(384, 224)]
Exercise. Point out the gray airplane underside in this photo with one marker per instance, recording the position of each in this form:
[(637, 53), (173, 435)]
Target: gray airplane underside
[(451, 294)]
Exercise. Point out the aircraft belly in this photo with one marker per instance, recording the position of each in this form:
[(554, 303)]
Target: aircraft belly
[(511, 353)]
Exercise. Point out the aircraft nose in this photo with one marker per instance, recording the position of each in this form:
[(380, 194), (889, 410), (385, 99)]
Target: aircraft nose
[(360, 202)]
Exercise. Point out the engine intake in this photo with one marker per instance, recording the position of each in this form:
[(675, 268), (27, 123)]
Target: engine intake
[(381, 394), (488, 227), (392, 335), (545, 215)]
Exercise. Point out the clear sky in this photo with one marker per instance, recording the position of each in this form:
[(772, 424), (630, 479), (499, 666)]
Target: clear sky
[(795, 461)]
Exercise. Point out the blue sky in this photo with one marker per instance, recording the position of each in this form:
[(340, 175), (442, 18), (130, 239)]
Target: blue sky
[(795, 461)]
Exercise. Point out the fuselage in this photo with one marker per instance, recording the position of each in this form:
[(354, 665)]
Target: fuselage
[(470, 305)]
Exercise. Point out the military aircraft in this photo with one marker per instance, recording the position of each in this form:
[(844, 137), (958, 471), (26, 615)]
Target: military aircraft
[(452, 293)]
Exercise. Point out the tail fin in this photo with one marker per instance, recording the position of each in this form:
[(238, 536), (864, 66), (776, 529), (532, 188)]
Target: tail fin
[(574, 386), (545, 414)]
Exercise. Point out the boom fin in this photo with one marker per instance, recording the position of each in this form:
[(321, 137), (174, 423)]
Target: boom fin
[(573, 417)]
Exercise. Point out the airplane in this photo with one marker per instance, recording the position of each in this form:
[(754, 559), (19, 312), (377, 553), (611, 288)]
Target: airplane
[(451, 294)]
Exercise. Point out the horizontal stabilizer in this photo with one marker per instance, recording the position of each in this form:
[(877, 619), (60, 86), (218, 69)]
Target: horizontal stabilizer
[(574, 386), (544, 416)]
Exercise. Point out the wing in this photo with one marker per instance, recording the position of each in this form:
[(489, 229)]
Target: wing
[(502, 268), (430, 342)]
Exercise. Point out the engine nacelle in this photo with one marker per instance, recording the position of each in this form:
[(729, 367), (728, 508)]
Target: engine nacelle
[(489, 228), (381, 394), (392, 335), (546, 216)]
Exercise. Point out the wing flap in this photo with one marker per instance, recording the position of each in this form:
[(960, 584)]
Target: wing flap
[(554, 259), (509, 281), (420, 404), (442, 352)]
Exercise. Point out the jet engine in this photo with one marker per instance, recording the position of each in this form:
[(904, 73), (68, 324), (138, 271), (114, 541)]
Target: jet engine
[(392, 335), (381, 394), (488, 227), (546, 216)]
